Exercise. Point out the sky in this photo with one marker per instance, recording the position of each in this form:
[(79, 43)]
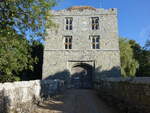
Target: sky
[(133, 15)]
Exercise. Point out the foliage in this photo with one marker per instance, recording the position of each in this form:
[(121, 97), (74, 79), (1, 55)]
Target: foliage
[(37, 53), (144, 69), (147, 45), (128, 63), (137, 49), (15, 56), (26, 15), (142, 55), (18, 17)]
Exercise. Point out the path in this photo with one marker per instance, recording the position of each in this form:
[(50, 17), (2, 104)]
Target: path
[(76, 101)]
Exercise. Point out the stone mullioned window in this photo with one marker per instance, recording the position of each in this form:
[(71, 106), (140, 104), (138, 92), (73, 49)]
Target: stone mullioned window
[(95, 23), (68, 42), (69, 21), (95, 41)]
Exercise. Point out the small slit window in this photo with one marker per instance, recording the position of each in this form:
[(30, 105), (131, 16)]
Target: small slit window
[(69, 21), (95, 23), (68, 42), (95, 42)]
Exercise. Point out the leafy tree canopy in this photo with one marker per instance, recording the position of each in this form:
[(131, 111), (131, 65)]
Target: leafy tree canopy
[(129, 64), (16, 18), (147, 45), (15, 56), (26, 15), (142, 55), (37, 53)]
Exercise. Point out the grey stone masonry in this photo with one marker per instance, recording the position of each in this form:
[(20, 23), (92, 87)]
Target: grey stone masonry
[(104, 60), (131, 95), (21, 97)]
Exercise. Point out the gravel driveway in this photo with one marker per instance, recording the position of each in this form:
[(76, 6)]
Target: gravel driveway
[(75, 101)]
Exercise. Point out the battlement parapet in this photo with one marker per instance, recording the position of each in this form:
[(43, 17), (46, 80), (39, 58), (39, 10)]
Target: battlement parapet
[(84, 10)]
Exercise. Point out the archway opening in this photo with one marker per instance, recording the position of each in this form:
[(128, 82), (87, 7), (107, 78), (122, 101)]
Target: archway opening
[(82, 75)]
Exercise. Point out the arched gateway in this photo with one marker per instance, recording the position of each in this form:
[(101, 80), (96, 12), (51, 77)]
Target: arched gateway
[(82, 75)]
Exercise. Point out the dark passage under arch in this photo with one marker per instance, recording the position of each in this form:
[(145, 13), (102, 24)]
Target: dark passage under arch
[(82, 75)]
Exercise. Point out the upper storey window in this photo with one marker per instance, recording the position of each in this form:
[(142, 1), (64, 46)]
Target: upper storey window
[(95, 23), (69, 21), (68, 42)]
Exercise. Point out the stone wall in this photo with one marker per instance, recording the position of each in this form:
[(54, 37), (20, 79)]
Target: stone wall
[(81, 32), (130, 94), (105, 62), (20, 97)]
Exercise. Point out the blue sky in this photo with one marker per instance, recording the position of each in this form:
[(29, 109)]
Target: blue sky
[(133, 15)]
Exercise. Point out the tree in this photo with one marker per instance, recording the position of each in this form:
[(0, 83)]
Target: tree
[(129, 64), (147, 45), (26, 15), (142, 55), (15, 56), (37, 54), (137, 49), (144, 69), (17, 17)]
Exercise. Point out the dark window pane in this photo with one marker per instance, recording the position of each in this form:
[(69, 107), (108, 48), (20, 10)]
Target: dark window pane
[(66, 40), (66, 46), (93, 21), (97, 46), (92, 27), (67, 21), (70, 46), (66, 27), (96, 20), (70, 40), (97, 39), (70, 27), (97, 27), (70, 21), (93, 40), (93, 46)]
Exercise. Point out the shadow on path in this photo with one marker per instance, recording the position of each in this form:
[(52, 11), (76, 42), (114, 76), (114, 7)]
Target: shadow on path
[(75, 101)]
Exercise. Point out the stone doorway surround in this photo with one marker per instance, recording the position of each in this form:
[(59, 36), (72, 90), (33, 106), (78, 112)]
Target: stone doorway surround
[(72, 63), (81, 83)]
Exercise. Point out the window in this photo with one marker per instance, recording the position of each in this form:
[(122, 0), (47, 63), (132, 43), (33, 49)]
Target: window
[(69, 21), (95, 41), (68, 42), (95, 23)]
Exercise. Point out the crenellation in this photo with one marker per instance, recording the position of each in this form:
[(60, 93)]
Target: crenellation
[(85, 12)]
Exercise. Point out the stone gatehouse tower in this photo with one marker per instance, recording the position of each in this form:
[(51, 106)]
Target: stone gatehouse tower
[(85, 39)]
